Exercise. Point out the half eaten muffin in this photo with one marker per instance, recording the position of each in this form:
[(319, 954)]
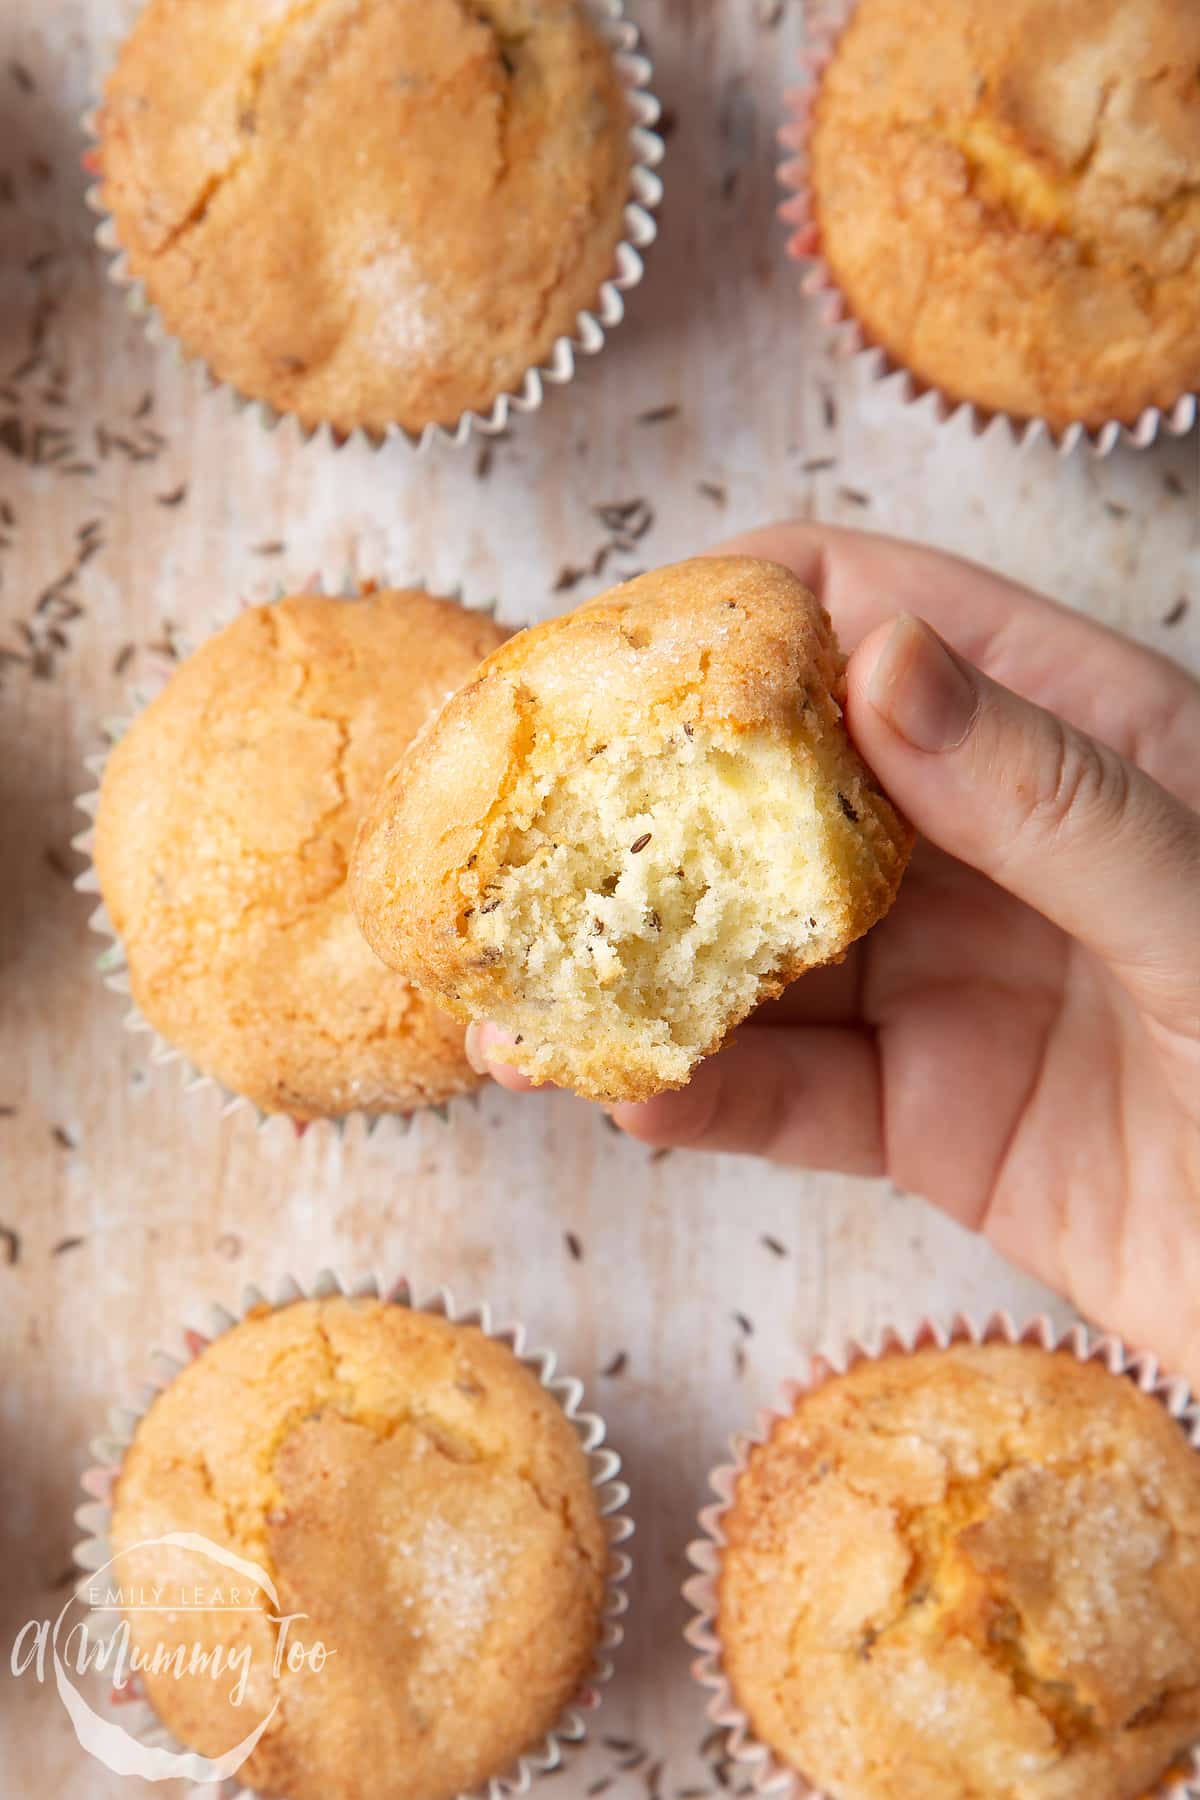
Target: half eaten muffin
[(637, 822)]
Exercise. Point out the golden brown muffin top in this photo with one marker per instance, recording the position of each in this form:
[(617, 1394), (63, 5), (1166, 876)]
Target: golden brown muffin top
[(1009, 195), (410, 1487), (972, 1574), (227, 814), (367, 211)]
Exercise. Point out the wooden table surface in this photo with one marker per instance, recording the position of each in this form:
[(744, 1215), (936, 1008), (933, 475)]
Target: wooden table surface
[(142, 507)]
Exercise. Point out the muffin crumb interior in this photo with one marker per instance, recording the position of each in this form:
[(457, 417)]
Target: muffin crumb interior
[(649, 896)]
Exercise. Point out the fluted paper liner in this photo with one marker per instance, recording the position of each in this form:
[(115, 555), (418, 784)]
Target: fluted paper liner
[(111, 962), (850, 339), (592, 325), (612, 1495), (766, 1772)]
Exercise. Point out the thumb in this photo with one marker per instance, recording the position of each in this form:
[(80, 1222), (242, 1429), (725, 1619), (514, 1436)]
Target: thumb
[(1046, 812)]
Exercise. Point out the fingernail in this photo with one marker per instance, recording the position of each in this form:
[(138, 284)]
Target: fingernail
[(481, 1040), (921, 688)]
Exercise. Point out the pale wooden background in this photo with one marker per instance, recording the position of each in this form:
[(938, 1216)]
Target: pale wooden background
[(130, 1204)]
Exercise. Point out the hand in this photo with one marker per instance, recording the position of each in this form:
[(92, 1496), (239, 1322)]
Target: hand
[(1019, 1040)]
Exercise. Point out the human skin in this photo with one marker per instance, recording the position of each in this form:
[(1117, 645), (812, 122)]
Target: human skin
[(1019, 1040)]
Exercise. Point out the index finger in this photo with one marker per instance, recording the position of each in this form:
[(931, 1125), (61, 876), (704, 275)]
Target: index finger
[(1139, 703)]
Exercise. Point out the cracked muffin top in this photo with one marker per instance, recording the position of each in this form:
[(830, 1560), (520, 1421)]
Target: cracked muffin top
[(226, 819), (972, 1574), (1009, 197), (413, 1491), (367, 212)]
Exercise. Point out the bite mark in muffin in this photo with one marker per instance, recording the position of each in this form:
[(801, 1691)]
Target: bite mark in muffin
[(637, 822)]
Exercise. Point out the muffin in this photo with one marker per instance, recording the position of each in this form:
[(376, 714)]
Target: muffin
[(226, 818), (970, 1573), (367, 212), (1008, 197), (416, 1502), (636, 822)]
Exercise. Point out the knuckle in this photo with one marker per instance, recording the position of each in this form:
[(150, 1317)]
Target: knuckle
[(1079, 784)]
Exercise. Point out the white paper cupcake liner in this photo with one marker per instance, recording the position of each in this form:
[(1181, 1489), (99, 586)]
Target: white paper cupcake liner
[(826, 21), (111, 963), (612, 1496), (592, 325), (766, 1773)]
